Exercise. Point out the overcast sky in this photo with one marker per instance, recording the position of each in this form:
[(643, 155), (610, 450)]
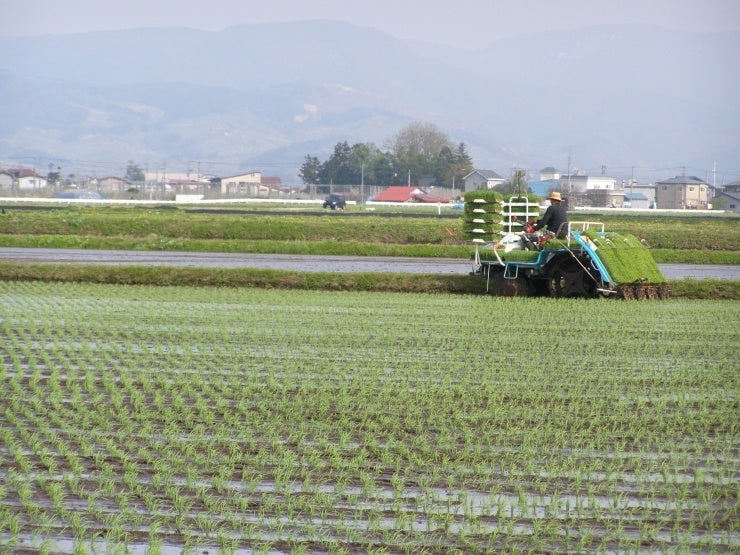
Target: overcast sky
[(443, 21)]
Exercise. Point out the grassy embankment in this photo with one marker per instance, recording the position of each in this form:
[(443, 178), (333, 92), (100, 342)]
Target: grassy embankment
[(677, 239)]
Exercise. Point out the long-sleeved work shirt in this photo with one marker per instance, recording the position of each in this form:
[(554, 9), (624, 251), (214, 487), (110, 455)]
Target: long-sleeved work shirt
[(555, 215)]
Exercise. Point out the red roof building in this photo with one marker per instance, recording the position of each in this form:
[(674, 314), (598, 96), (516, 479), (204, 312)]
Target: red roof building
[(431, 198), (398, 193), (401, 193)]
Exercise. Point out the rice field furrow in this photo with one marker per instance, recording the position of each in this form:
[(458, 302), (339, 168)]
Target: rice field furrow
[(168, 419)]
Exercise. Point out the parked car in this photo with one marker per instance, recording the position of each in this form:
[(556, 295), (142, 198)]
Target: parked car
[(335, 201)]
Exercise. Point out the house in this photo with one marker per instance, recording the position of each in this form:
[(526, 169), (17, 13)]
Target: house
[(398, 193), (549, 173), (639, 196), (271, 182), (589, 190), (435, 199), (731, 201), (636, 200), (164, 176), (482, 179), (187, 185), (180, 182), (728, 197), (733, 187), (245, 183), (604, 198), (21, 179), (29, 179), (402, 193), (7, 181), (581, 184), (111, 184), (682, 192)]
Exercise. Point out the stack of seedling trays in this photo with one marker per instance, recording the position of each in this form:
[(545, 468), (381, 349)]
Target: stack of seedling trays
[(482, 218), (518, 210), (629, 264)]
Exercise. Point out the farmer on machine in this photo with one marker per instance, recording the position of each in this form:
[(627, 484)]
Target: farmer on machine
[(555, 215)]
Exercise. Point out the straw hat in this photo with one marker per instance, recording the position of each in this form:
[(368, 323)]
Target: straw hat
[(554, 196)]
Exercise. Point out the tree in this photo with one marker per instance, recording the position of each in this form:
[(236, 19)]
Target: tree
[(134, 173), (360, 158), (417, 150), (338, 168), (310, 170), (383, 171), (516, 185), (462, 165), (54, 177), (349, 165), (423, 150), (452, 166), (372, 165)]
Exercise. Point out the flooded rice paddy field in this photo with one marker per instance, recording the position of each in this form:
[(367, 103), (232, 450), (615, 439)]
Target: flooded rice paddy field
[(170, 420)]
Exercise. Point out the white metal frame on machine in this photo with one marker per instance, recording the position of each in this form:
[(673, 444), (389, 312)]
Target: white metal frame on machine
[(518, 213), (515, 215)]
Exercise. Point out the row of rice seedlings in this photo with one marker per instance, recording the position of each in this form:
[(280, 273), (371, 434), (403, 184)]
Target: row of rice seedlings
[(293, 425)]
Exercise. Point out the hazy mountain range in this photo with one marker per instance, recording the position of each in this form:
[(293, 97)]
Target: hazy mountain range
[(261, 97)]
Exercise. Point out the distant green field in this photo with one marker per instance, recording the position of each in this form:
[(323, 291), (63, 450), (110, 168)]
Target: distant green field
[(414, 232), (225, 420), (313, 231)]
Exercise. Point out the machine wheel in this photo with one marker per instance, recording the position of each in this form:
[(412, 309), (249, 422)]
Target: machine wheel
[(508, 287), (568, 279)]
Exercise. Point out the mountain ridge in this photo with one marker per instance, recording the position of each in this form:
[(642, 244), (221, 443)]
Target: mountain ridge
[(251, 96)]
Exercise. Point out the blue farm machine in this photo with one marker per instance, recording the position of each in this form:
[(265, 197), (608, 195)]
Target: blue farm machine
[(581, 259)]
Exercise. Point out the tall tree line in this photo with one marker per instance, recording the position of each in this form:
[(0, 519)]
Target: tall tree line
[(417, 151)]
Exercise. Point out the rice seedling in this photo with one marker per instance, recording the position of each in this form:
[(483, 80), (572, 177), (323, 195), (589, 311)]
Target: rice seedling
[(251, 419)]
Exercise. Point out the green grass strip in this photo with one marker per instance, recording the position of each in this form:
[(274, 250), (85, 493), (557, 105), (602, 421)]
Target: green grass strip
[(328, 281)]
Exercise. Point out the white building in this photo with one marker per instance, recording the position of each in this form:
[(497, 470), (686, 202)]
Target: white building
[(549, 173), (21, 180), (587, 190), (482, 179), (245, 184), (584, 183)]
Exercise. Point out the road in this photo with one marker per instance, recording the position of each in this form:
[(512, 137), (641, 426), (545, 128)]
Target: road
[(302, 263)]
